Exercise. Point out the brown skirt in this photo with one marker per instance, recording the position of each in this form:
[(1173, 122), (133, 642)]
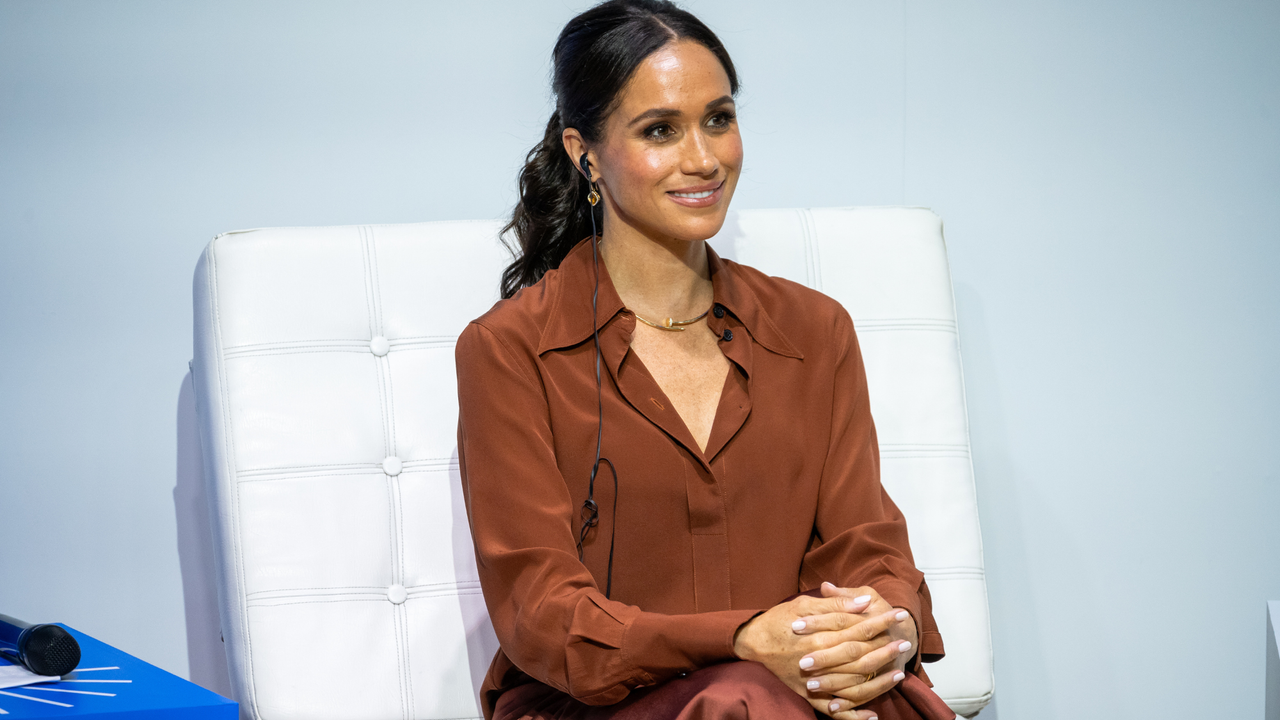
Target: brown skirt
[(729, 691)]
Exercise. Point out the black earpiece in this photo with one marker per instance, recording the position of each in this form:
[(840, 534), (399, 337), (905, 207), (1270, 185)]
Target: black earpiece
[(585, 164)]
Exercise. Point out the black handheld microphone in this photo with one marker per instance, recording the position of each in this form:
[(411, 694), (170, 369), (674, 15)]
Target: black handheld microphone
[(42, 649)]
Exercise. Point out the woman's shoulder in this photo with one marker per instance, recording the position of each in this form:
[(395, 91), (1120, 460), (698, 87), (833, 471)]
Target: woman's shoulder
[(805, 315), (516, 322)]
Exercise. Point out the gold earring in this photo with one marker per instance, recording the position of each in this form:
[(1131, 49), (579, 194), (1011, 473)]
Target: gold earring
[(593, 197)]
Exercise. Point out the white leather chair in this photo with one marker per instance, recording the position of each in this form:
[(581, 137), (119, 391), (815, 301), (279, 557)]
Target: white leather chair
[(327, 405)]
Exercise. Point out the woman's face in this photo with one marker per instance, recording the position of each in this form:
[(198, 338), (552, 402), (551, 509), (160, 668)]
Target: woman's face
[(670, 154)]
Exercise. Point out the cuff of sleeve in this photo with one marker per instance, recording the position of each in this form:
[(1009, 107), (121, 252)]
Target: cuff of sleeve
[(660, 646), (931, 646), (930, 651), (901, 595)]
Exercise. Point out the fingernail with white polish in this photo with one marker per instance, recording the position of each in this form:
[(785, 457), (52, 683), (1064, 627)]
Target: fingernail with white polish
[(902, 615), (806, 663), (798, 625), (905, 646), (899, 677), (862, 598), (813, 684), (835, 706)]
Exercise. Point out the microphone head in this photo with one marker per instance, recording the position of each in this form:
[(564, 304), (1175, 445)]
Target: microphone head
[(48, 650)]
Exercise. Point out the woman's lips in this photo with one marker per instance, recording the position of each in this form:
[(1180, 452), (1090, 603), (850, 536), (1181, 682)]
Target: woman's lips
[(704, 196)]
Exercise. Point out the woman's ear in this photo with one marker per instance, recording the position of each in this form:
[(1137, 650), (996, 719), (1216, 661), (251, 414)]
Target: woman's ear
[(576, 147)]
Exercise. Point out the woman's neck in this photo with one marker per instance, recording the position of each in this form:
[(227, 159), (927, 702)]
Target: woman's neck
[(657, 277)]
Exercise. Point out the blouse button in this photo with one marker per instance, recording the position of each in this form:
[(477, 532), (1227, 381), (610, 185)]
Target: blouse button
[(728, 335), (719, 311)]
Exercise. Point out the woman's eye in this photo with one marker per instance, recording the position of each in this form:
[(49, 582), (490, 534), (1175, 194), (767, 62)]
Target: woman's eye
[(720, 120), (660, 132)]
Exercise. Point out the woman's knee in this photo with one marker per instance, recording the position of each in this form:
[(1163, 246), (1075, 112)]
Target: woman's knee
[(745, 689), (744, 672)]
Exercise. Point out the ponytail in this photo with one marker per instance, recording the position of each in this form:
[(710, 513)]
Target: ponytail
[(551, 216)]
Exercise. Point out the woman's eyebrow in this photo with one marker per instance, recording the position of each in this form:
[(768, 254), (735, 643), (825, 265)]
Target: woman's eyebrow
[(655, 113), (658, 113)]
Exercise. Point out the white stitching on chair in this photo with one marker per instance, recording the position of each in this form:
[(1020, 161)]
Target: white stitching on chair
[(211, 274), (297, 472), (399, 613), (375, 330), (384, 362), (334, 346), (315, 591), (402, 610), (286, 469), (813, 251), (866, 325), (810, 272), (346, 599), (375, 281), (936, 575), (368, 291)]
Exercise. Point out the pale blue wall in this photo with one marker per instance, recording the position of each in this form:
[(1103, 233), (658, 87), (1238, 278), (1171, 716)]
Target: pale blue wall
[(1109, 174)]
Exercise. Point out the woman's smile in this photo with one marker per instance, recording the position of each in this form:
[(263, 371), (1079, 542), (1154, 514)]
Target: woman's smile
[(699, 196)]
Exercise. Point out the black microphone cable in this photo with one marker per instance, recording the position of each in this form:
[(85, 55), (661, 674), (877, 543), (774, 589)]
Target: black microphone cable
[(590, 510)]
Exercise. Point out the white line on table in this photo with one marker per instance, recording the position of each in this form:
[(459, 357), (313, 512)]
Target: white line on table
[(77, 692), (39, 700)]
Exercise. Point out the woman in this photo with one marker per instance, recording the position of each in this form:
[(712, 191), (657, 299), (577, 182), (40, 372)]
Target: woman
[(726, 412)]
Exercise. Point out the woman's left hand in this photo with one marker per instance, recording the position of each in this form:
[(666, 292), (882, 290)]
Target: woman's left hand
[(849, 672)]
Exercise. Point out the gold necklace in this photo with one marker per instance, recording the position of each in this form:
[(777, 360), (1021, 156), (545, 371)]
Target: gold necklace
[(672, 324)]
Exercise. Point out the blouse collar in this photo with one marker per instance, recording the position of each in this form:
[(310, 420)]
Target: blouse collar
[(574, 281)]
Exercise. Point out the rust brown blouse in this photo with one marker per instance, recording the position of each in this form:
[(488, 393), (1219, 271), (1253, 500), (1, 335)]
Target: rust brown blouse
[(786, 495)]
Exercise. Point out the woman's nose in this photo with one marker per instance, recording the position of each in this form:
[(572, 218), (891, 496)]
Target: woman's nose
[(698, 156)]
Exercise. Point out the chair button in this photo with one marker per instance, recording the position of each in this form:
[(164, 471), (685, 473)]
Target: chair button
[(392, 466), (728, 335), (718, 311), (397, 594), (379, 346)]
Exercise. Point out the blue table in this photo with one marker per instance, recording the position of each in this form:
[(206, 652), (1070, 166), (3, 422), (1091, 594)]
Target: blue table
[(112, 684)]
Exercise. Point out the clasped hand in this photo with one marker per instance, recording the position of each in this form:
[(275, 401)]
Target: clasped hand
[(838, 651)]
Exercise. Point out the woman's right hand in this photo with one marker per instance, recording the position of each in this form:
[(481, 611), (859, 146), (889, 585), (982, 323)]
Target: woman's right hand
[(771, 639)]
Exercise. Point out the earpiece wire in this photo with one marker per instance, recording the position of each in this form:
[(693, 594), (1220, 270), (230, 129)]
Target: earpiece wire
[(590, 505)]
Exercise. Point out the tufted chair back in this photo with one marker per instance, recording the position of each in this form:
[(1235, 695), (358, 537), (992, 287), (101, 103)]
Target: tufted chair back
[(327, 407)]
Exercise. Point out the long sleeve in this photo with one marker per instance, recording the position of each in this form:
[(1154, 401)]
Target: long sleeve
[(551, 619), (861, 536)]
